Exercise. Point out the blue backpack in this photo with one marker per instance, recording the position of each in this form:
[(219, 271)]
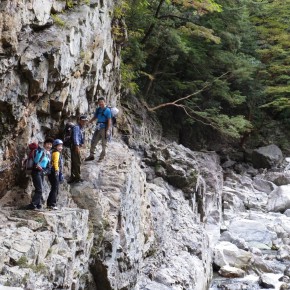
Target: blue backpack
[(29, 162)]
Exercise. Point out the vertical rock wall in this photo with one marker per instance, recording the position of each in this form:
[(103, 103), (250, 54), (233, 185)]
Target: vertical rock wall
[(152, 232), (56, 58)]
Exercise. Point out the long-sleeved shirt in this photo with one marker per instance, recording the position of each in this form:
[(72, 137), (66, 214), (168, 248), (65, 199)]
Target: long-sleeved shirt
[(78, 135), (56, 161)]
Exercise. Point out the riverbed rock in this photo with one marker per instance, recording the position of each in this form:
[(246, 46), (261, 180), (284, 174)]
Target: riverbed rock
[(226, 253), (254, 232), (285, 286), (263, 185), (287, 271), (239, 242), (267, 156), (231, 272), (279, 199), (267, 281)]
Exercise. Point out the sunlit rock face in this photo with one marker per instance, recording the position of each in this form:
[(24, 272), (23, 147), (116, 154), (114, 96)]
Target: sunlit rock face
[(45, 250), (55, 61), (150, 234)]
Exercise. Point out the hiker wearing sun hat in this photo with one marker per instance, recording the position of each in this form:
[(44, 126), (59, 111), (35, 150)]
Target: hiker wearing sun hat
[(78, 140)]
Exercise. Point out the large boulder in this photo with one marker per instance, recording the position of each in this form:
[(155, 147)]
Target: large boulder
[(279, 199), (231, 272), (254, 232), (226, 253), (263, 185), (267, 281), (267, 156)]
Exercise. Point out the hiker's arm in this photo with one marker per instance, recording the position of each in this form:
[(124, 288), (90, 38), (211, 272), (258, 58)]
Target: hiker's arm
[(108, 129), (109, 123), (76, 139)]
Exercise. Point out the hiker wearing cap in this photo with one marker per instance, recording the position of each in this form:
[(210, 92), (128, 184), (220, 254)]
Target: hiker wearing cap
[(41, 167), (78, 140), (103, 116), (55, 177)]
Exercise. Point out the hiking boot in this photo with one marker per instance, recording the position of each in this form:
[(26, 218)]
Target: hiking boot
[(30, 207), (89, 158), (71, 180), (52, 207), (78, 180), (38, 208), (101, 158)]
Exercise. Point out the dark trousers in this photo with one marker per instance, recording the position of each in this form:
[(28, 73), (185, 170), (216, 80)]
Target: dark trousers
[(37, 179), (75, 164), (54, 181)]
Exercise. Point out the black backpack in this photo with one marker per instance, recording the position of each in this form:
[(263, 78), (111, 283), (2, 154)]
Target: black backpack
[(68, 134)]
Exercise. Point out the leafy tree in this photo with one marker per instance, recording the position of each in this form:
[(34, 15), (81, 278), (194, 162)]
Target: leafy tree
[(184, 50), (272, 24)]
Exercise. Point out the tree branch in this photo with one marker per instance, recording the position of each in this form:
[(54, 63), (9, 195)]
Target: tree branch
[(152, 25), (184, 98)]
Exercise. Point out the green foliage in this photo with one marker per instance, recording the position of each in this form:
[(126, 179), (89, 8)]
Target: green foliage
[(57, 20), (232, 126), (176, 47), (39, 268), (22, 262), (121, 9), (69, 3), (128, 76), (272, 24)]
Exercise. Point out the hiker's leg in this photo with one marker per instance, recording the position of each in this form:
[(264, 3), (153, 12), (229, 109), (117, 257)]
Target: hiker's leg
[(51, 201), (104, 143), (51, 181), (37, 179), (71, 163), (95, 140), (75, 164)]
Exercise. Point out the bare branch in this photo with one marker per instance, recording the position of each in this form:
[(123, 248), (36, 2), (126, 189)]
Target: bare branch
[(184, 98)]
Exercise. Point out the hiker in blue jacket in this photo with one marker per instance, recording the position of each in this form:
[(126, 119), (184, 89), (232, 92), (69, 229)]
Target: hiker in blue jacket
[(103, 116), (40, 169), (78, 140)]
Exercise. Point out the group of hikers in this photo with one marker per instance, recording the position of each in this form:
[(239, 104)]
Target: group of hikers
[(49, 161)]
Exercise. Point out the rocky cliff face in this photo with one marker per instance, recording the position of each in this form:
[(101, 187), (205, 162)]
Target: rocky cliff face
[(56, 58), (150, 234), (149, 231)]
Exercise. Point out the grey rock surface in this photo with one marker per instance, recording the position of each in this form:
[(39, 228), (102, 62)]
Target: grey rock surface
[(147, 230), (55, 62), (42, 250), (267, 156)]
